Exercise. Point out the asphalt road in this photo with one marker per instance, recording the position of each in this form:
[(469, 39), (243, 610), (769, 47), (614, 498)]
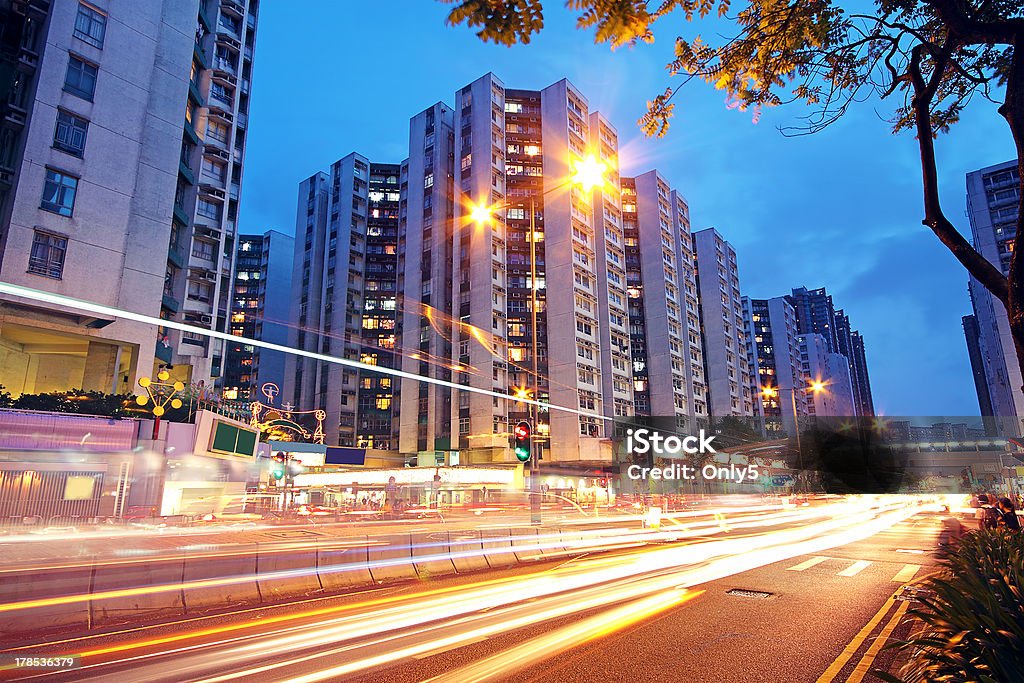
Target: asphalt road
[(811, 580)]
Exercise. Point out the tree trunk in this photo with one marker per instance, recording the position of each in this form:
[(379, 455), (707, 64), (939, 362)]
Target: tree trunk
[(1013, 111)]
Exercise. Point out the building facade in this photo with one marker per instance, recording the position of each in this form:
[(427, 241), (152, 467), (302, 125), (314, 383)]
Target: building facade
[(260, 305), (537, 278), (203, 222), (665, 332), (992, 198), (816, 314), (89, 162), (830, 371), (428, 318), (344, 290), (721, 306), (780, 385)]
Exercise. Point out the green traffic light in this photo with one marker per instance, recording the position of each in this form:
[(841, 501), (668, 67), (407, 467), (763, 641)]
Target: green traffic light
[(523, 454)]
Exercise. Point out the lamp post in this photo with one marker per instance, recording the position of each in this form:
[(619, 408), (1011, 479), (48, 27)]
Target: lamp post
[(588, 175), (815, 387)]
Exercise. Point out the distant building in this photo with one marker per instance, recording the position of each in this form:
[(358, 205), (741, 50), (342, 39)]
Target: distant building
[(779, 382), (832, 371), (992, 196), (344, 299), (725, 349), (816, 314), (259, 310)]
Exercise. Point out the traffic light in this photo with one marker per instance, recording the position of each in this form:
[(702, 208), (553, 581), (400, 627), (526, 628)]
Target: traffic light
[(277, 466), (521, 440)]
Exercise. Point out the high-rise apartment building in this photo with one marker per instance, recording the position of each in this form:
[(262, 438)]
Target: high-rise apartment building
[(344, 290), (427, 311), (721, 306), (992, 196), (537, 290), (816, 314), (203, 231), (89, 160), (780, 386), (664, 315), (972, 334), (830, 371), (261, 299)]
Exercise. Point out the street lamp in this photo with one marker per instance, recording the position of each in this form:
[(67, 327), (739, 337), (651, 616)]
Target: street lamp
[(815, 387), (587, 174)]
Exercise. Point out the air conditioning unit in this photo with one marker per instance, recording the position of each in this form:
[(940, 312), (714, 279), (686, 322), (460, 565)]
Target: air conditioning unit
[(206, 319)]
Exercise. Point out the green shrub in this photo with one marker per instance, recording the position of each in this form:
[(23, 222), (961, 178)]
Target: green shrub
[(974, 624)]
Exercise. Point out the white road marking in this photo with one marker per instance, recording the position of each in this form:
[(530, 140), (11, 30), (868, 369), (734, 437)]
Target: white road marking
[(907, 573), (855, 568), (807, 564)]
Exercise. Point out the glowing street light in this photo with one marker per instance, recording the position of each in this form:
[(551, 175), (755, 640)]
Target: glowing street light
[(589, 172), (481, 213)]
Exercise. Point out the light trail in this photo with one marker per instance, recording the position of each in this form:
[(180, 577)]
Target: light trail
[(544, 545), (385, 631), (100, 309)]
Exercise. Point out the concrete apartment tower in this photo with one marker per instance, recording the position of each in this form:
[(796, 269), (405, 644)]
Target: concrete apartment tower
[(344, 289), (816, 314), (199, 265), (721, 305), (664, 318), (512, 151), (832, 370), (90, 155), (774, 349), (992, 197), (427, 303), (260, 305)]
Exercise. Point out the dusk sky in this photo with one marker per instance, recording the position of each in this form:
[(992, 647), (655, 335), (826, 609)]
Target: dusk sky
[(840, 209)]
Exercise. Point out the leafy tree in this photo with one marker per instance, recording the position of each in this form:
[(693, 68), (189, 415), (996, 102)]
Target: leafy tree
[(930, 58)]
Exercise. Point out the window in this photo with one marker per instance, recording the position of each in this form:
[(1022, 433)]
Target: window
[(80, 78), (59, 192), (217, 131), (202, 250), (208, 209), (214, 170), (47, 257), (69, 135), (90, 25)]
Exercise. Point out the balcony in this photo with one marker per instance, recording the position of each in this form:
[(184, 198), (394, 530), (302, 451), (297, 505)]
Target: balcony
[(204, 17), (174, 256), (180, 215), (170, 303), (185, 172)]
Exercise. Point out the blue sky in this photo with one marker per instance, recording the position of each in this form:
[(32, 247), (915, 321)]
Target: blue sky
[(839, 209)]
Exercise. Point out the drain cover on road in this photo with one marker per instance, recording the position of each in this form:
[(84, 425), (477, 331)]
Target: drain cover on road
[(744, 593)]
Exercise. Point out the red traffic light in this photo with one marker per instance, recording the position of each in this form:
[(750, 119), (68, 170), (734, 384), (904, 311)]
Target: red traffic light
[(522, 430)]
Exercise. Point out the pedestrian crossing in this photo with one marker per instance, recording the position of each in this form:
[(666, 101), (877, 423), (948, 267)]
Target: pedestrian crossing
[(848, 568)]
